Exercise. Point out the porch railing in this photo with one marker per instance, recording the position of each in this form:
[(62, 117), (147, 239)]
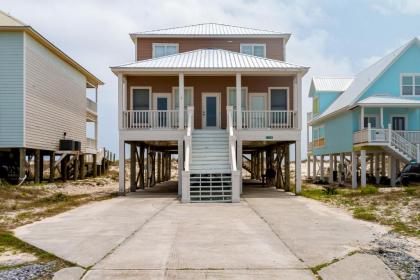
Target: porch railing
[(411, 136), (90, 143), (91, 105), (267, 119), (162, 119)]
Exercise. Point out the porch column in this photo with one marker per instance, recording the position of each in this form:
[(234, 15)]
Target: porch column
[(238, 101), (330, 178), (298, 175), (180, 164), (321, 167), (181, 100), (362, 117), (37, 166), (121, 177), (314, 169), (383, 165), (393, 163), (120, 101), (363, 168), (133, 175), (341, 169), (382, 117), (354, 170), (377, 169)]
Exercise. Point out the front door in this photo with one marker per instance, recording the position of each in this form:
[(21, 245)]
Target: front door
[(210, 110), (161, 106), (398, 123), (258, 105)]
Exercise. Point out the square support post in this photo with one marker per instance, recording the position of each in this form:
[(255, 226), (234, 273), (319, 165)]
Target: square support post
[(363, 168), (331, 165), (133, 169), (287, 167), (181, 93), (76, 167), (298, 175), (393, 164), (94, 168), (37, 166), (383, 164), (341, 178), (321, 167), (121, 178), (308, 167), (22, 163), (82, 166), (238, 101), (142, 166), (52, 167), (354, 170), (377, 168), (314, 169), (239, 162), (180, 165)]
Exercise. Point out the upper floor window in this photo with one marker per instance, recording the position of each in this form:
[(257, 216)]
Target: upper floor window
[(318, 135), (162, 49), (410, 84), (232, 97), (279, 99), (315, 105), (253, 49)]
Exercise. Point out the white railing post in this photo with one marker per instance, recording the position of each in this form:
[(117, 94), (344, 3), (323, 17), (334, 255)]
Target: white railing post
[(181, 99), (369, 133), (389, 134), (238, 101)]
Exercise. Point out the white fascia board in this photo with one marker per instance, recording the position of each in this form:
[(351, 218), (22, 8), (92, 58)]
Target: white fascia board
[(233, 71), (285, 36)]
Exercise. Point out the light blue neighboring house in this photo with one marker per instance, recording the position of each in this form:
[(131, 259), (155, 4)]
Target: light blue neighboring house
[(368, 126)]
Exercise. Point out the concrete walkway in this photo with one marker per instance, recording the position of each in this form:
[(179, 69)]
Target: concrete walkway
[(269, 235)]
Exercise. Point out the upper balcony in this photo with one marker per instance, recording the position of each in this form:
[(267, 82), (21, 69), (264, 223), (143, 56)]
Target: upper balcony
[(91, 106)]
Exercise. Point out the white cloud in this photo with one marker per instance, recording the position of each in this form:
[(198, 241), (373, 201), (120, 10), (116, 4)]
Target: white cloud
[(387, 7), (95, 33)]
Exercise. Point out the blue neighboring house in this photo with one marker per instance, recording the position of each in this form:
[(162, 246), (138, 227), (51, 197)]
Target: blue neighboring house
[(368, 126)]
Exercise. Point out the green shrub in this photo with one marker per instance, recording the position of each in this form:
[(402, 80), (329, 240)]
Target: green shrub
[(369, 189), (330, 190), (410, 191), (55, 198), (364, 214)]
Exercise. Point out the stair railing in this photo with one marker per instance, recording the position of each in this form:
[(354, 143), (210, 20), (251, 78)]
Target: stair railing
[(188, 138), (402, 144)]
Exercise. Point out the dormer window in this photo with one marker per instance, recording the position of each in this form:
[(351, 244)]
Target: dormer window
[(253, 49), (163, 49), (410, 84)]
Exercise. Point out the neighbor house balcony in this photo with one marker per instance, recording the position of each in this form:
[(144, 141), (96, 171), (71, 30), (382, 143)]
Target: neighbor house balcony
[(266, 119), (91, 106)]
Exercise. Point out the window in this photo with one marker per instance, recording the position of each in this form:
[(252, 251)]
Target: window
[(164, 49), (188, 97), (279, 99), (253, 49), (410, 84), (140, 98), (315, 105), (373, 120), (318, 135), (231, 98)]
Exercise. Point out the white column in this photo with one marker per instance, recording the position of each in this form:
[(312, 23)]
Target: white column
[(298, 172), (330, 178), (383, 165), (341, 168), (308, 167), (393, 164), (362, 118), (239, 162), (181, 99), (120, 101), (121, 177), (180, 164), (377, 168), (314, 169), (299, 101), (354, 170), (322, 167), (238, 101), (363, 168), (382, 117)]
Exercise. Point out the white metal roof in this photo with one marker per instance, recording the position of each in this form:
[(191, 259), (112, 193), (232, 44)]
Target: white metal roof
[(383, 100), (209, 59), (363, 80), (328, 84), (209, 30)]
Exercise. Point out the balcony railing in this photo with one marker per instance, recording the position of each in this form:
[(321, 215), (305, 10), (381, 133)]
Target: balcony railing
[(91, 105), (159, 119), (412, 136), (91, 143), (267, 119)]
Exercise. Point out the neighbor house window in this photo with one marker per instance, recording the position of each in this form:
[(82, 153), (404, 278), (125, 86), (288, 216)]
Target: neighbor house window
[(253, 49), (318, 135), (315, 105), (410, 84), (279, 98), (373, 120), (231, 97), (188, 97), (160, 49)]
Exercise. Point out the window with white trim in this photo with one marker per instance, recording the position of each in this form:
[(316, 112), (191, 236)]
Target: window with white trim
[(373, 120), (162, 49), (318, 136), (253, 49), (231, 97), (188, 97), (410, 84)]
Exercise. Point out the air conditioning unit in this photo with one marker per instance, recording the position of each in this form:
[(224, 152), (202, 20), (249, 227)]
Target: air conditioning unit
[(66, 145)]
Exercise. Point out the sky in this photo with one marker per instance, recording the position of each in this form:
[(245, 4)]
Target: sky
[(334, 38)]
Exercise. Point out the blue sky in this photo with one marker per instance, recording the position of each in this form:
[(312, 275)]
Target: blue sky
[(334, 38)]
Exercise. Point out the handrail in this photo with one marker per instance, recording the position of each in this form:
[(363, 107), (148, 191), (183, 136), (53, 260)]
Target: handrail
[(403, 144), (232, 139), (143, 119), (188, 138), (280, 119)]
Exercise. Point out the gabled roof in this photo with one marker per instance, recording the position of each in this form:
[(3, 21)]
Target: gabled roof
[(329, 84), (363, 81), (209, 60), (210, 30), (9, 23), (383, 100)]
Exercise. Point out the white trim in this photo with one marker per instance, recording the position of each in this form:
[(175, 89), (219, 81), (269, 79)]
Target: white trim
[(203, 103), (163, 44), (168, 95), (173, 95), (288, 96), (413, 75), (405, 116), (24, 89), (253, 45), (246, 96), (263, 94), (286, 36), (140, 87)]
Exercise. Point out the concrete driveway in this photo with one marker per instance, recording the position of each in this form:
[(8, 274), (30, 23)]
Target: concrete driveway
[(269, 235)]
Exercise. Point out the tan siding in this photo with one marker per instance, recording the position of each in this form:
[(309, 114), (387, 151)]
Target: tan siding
[(274, 46), (55, 99), (210, 84)]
